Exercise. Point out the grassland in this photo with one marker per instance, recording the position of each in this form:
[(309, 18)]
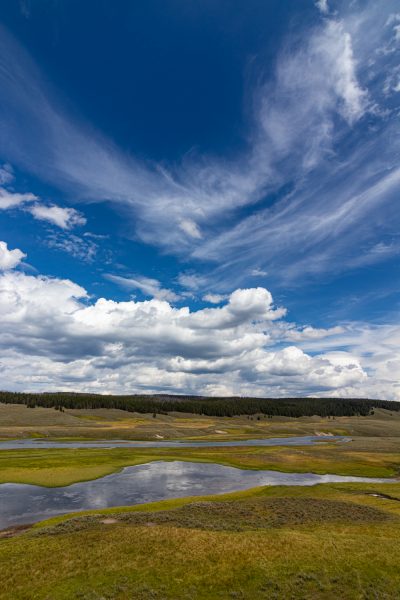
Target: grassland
[(18, 421), (330, 541), (373, 452), (369, 457)]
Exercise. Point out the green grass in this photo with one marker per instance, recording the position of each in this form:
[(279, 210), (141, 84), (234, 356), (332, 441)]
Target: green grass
[(329, 541), (332, 541), (18, 421), (367, 457)]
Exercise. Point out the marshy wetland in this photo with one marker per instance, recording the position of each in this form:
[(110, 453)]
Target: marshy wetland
[(313, 517)]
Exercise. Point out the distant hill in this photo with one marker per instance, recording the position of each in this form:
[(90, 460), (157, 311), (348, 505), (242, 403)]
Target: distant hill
[(218, 407)]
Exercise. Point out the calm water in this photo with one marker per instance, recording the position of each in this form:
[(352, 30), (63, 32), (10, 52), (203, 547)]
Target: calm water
[(305, 440), (159, 480)]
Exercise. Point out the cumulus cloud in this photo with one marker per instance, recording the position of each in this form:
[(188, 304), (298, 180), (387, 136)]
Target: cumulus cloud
[(9, 258), (310, 202), (66, 218), (53, 336)]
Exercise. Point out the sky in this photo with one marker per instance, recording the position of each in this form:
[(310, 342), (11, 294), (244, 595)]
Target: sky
[(200, 197)]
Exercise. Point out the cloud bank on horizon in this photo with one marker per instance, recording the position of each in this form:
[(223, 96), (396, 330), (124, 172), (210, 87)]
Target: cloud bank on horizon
[(244, 347), (129, 250)]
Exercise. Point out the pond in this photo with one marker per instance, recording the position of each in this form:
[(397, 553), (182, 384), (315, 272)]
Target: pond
[(305, 440), (158, 480)]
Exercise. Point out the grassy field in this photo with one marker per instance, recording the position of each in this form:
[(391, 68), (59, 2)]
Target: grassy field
[(369, 457), (339, 541), (330, 541), (18, 421), (373, 452)]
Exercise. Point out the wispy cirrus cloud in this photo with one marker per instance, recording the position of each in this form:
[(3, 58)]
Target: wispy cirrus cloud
[(287, 204), (322, 5), (82, 248), (147, 285), (6, 174)]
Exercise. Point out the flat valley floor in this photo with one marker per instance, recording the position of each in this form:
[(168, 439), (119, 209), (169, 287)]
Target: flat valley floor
[(327, 541)]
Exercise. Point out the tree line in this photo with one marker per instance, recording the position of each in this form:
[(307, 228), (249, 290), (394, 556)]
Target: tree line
[(215, 407)]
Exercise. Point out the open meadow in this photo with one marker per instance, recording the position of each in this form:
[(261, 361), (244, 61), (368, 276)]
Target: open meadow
[(330, 541), (337, 540), (18, 421)]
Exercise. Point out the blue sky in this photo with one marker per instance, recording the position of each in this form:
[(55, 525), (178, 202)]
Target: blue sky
[(200, 197)]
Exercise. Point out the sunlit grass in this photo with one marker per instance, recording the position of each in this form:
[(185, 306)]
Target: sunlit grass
[(329, 541), (18, 421), (57, 467)]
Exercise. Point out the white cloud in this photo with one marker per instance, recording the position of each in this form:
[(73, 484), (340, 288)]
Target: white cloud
[(9, 258), (190, 228), (52, 336), (148, 286), (394, 21), (258, 272), (293, 121), (322, 6), (302, 115), (214, 298), (13, 199), (66, 218), (83, 248), (6, 174), (335, 45), (191, 281), (311, 333)]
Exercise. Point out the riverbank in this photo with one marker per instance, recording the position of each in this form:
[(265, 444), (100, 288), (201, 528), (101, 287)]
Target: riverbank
[(374, 450), (21, 504), (322, 542), (362, 457)]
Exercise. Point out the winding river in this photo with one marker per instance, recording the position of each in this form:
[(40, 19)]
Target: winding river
[(36, 444), (158, 480)]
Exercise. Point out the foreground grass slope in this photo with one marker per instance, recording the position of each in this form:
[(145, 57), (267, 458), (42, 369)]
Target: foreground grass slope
[(331, 541)]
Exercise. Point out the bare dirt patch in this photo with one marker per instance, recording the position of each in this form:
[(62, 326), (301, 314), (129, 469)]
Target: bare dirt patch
[(13, 531), (109, 521)]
